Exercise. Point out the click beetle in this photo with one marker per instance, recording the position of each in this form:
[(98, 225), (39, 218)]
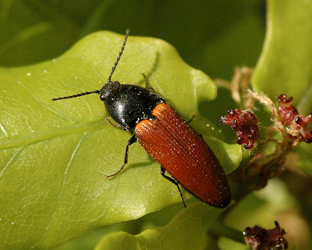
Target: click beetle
[(167, 137)]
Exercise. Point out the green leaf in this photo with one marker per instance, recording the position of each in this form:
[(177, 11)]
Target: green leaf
[(303, 153), (285, 64), (55, 155), (230, 155), (187, 230)]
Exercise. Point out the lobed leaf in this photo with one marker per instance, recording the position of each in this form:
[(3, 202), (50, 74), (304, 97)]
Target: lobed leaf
[(54, 156), (187, 230)]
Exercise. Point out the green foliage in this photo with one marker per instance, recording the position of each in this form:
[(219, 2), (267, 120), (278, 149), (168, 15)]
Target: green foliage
[(54, 156), (284, 66), (187, 230)]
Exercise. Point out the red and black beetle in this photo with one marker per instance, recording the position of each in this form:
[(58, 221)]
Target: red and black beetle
[(166, 136)]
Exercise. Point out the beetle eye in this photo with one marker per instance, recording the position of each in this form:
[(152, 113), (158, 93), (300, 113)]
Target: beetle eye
[(107, 89), (103, 95)]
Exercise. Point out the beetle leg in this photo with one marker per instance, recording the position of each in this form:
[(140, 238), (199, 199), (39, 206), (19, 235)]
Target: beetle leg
[(115, 125), (162, 172), (132, 140), (193, 116), (149, 88)]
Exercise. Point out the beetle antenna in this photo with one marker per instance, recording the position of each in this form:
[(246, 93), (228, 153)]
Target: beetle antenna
[(119, 56), (77, 95), (109, 78)]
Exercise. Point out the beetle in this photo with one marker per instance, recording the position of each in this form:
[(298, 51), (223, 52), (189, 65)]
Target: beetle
[(166, 137)]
